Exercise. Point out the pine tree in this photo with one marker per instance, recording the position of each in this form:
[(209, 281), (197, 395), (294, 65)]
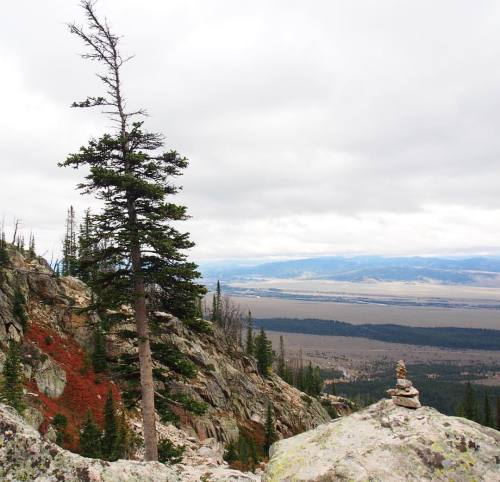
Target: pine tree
[(469, 403), (133, 179), (31, 249), (90, 438), (99, 361), (69, 248), (60, 423), (498, 414), (487, 415), (270, 435), (122, 440), (262, 353), (217, 304), (87, 250), (110, 433), (4, 254), (281, 369), (19, 308), (249, 347), (12, 386)]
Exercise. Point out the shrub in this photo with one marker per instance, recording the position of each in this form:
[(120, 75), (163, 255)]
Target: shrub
[(60, 423), (168, 453)]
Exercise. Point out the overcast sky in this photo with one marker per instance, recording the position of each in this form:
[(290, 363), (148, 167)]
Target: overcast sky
[(320, 127)]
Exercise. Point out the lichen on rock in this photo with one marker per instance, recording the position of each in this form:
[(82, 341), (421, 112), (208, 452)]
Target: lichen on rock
[(388, 442)]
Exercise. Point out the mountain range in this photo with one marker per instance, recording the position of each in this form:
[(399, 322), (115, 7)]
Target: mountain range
[(363, 268)]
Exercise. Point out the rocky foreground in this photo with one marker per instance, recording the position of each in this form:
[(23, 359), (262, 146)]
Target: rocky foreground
[(28, 456), (383, 442), (387, 442)]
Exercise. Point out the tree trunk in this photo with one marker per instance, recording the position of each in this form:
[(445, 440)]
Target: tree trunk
[(145, 362)]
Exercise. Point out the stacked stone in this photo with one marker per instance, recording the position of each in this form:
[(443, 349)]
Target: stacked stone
[(405, 394)]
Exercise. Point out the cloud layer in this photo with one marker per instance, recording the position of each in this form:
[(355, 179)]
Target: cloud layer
[(312, 128)]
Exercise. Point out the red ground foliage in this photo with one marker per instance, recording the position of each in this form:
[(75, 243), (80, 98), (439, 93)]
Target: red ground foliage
[(84, 389)]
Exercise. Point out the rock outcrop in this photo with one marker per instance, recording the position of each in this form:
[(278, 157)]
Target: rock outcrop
[(26, 455), (388, 442)]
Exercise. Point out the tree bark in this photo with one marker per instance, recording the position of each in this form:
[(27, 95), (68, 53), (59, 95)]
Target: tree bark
[(145, 361)]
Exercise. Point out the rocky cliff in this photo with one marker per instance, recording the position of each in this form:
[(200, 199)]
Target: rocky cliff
[(388, 442), (56, 343)]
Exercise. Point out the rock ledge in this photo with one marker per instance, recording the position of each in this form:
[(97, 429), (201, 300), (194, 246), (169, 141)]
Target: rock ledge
[(390, 443)]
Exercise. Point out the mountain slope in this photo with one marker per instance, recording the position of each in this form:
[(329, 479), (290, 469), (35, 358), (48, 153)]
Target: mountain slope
[(57, 342)]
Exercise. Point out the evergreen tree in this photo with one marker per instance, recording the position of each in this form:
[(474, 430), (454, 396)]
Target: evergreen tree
[(19, 308), (99, 361), (249, 347), (498, 414), (133, 179), (69, 248), (122, 440), (4, 254), (262, 353), (281, 370), (469, 403), (12, 386), (87, 250), (31, 249), (90, 438), (110, 433), (270, 435), (217, 304), (487, 415), (60, 423)]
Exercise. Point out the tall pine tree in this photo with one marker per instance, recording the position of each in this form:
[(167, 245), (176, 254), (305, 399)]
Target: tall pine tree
[(4, 254), (270, 435), (281, 369), (132, 177), (69, 248), (217, 304), (99, 362), (90, 438), (110, 428), (12, 386), (249, 345), (263, 353)]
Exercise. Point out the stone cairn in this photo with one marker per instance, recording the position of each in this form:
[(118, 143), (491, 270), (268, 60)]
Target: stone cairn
[(405, 394)]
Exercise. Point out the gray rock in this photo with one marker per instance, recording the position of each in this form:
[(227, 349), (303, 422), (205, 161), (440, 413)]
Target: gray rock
[(50, 378), (408, 402), (385, 442), (403, 383), (34, 417)]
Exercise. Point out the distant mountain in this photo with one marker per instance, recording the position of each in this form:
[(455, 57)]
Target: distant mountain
[(361, 268)]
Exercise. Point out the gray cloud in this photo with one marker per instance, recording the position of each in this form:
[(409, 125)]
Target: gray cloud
[(312, 127)]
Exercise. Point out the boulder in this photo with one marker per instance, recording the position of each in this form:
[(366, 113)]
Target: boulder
[(389, 443), (50, 378)]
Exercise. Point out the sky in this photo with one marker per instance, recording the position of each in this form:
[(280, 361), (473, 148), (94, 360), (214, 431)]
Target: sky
[(312, 128)]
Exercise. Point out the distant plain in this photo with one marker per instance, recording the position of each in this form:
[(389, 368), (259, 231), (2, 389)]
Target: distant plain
[(413, 304)]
